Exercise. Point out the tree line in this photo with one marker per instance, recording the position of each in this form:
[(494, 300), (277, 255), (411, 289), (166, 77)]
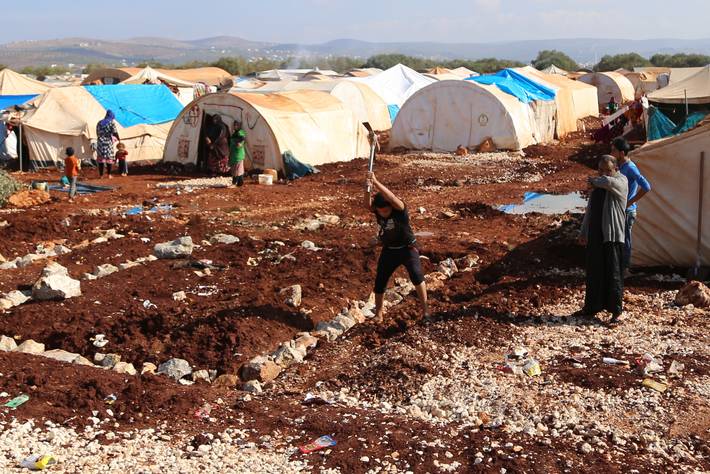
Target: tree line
[(240, 66)]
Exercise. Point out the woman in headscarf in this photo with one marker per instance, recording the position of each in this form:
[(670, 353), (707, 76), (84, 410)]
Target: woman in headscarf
[(603, 232), (106, 133), (217, 140)]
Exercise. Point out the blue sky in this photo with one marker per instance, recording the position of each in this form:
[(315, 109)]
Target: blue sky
[(310, 21)]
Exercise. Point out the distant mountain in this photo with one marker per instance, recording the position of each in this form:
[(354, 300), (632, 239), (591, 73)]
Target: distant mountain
[(134, 50)]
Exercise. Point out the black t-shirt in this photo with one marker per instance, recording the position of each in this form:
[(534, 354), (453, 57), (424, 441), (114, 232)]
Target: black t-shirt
[(395, 231)]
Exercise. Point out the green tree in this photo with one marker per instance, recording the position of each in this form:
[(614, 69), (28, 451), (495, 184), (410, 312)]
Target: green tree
[(91, 67), (2, 66), (680, 60), (549, 57), (621, 61)]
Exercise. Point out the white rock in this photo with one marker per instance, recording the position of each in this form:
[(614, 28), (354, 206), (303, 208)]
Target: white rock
[(7, 344), (292, 295), (127, 265), (288, 354), (175, 368), (224, 239), (61, 355), (105, 270), (125, 368), (55, 283), (252, 386), (179, 296), (203, 375), (30, 347), (178, 248), (448, 267)]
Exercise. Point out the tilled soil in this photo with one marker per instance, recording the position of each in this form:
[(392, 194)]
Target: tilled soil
[(407, 395)]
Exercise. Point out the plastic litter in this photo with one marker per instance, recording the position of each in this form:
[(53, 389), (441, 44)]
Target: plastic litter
[(147, 304), (613, 361), (654, 385), (532, 368), (17, 401), (676, 368), (111, 399), (203, 413), (38, 462), (318, 444), (311, 399), (100, 340), (648, 364)]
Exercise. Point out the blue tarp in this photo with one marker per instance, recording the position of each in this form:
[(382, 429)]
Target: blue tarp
[(393, 110), (660, 126), (136, 104), (517, 85), (7, 101), (81, 188)]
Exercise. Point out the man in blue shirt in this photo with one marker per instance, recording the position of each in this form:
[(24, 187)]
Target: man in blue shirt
[(638, 187)]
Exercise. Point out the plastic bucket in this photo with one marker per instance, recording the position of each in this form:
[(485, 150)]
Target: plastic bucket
[(266, 179)]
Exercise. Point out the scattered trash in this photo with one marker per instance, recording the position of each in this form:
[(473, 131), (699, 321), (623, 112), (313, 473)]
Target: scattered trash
[(518, 363), (111, 399), (532, 368), (145, 240), (648, 364), (318, 444), (203, 413), (99, 340), (17, 401), (147, 304), (252, 262), (654, 385), (38, 462), (547, 204), (613, 361)]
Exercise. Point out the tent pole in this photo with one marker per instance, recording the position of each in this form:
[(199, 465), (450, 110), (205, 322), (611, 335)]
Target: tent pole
[(685, 92), (20, 154), (699, 241)]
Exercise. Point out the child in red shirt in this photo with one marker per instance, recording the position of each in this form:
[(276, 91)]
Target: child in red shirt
[(71, 171), (121, 156)]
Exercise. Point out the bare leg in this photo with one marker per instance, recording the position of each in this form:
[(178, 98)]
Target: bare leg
[(423, 301), (379, 307)]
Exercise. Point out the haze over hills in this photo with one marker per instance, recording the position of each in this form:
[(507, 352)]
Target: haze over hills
[(134, 50)]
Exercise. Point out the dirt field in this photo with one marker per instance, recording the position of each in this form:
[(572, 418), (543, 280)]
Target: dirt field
[(405, 395)]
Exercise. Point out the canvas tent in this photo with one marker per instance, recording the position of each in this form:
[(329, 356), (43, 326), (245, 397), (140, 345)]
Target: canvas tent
[(212, 76), (696, 88), (314, 126), (574, 100), (12, 83), (464, 72), (552, 69), (666, 232), (644, 82), (446, 114), (610, 84), (149, 75), (396, 85), (67, 116)]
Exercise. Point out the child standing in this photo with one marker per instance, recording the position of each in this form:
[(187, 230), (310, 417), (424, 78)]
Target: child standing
[(237, 152), (121, 156), (71, 171)]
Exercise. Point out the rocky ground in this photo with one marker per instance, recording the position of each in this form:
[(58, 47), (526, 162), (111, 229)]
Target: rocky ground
[(400, 396)]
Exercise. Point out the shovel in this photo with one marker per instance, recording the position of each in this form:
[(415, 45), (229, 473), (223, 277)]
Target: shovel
[(372, 137)]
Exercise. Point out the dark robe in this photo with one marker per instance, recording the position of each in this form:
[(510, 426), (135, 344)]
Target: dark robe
[(605, 270), (218, 149)]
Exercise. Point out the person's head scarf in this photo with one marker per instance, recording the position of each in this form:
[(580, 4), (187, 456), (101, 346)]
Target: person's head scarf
[(108, 119)]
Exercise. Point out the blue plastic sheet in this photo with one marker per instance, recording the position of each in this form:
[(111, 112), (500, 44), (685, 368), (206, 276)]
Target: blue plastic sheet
[(81, 188), (517, 85), (660, 126), (136, 104), (7, 101), (393, 110)]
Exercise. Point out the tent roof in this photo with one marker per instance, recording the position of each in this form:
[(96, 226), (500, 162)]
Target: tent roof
[(7, 101), (464, 72), (153, 76), (447, 76), (682, 73), (212, 76), (13, 83), (75, 111), (516, 84), (552, 69), (439, 70), (396, 84), (364, 72), (697, 88)]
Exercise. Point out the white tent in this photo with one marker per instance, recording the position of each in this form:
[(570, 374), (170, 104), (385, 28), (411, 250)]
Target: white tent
[(552, 69), (678, 74), (666, 232), (575, 100), (695, 88), (148, 75), (315, 126), (610, 84), (67, 116), (447, 114), (396, 84), (12, 83), (464, 72)]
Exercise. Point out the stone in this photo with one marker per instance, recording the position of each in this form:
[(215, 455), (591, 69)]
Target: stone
[(105, 270), (695, 293), (309, 224), (55, 283), (292, 295), (288, 354), (260, 368), (30, 347), (308, 245), (178, 248), (252, 386), (434, 281), (448, 267), (586, 448), (7, 344), (148, 368), (61, 250), (224, 239), (329, 219), (29, 259), (226, 381), (467, 262), (127, 265), (125, 368), (107, 360), (403, 286), (356, 315), (343, 322), (175, 368), (61, 355), (179, 296), (306, 341), (11, 265), (327, 331), (202, 375), (392, 298), (17, 297), (81, 360)]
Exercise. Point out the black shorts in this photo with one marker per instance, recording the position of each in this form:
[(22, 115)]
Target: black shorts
[(391, 259)]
